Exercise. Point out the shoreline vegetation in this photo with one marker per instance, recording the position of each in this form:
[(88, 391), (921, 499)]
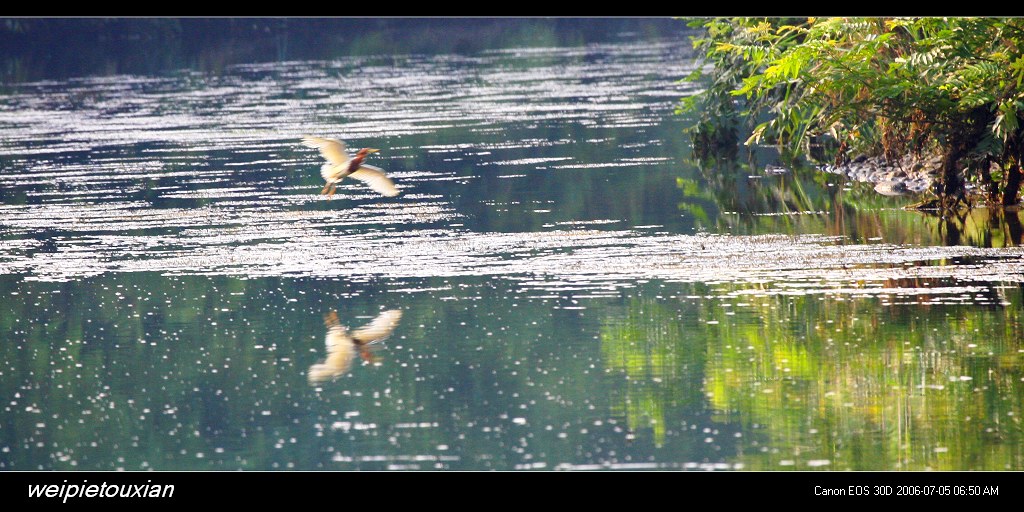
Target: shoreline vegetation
[(945, 93)]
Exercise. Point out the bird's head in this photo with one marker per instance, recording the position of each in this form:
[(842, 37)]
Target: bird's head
[(367, 151)]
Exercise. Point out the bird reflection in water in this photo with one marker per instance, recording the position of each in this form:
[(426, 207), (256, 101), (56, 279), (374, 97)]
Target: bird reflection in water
[(342, 345), (339, 165)]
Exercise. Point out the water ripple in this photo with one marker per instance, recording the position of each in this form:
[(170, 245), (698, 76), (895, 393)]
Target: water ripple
[(198, 174)]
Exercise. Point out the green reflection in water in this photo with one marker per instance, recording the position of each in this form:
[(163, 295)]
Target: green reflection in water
[(740, 198), (144, 370), (654, 363), (861, 385), (196, 372), (831, 382)]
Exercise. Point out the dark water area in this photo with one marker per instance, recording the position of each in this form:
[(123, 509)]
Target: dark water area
[(47, 48), (577, 292)]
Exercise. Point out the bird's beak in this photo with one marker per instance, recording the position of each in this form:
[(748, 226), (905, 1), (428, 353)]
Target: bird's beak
[(371, 150)]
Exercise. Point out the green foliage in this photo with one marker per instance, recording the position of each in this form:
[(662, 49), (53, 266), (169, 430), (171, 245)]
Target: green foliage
[(874, 85)]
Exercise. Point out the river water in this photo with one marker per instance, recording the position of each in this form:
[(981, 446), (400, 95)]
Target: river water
[(576, 291)]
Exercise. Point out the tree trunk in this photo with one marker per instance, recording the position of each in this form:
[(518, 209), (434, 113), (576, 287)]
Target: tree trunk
[(952, 186), (1014, 227), (991, 186), (952, 233), (1012, 187)]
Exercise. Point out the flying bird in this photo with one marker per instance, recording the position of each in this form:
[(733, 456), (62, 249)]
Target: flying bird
[(342, 344), (339, 165)]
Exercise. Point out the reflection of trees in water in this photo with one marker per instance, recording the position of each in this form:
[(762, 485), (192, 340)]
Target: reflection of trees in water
[(802, 200), (658, 363), (979, 227), (905, 380), (806, 200), (867, 387), (168, 367), (912, 385)]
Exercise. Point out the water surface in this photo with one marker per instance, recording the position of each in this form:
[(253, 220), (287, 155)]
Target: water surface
[(576, 291)]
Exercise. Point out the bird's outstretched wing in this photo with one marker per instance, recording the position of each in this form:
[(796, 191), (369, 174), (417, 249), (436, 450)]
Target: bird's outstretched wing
[(340, 351), (331, 149), (375, 178), (336, 333), (380, 328), (338, 362)]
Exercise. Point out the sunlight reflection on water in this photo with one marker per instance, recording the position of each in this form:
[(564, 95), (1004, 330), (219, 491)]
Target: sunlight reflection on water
[(573, 295)]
